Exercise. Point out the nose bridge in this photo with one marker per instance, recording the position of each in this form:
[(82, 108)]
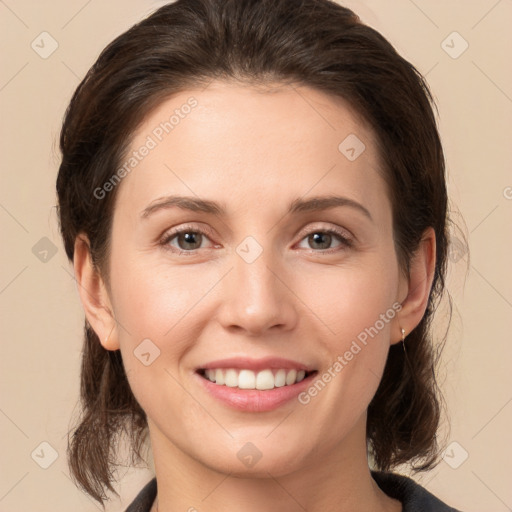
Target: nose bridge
[(256, 298)]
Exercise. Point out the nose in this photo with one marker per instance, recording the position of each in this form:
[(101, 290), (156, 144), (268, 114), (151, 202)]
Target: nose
[(257, 297)]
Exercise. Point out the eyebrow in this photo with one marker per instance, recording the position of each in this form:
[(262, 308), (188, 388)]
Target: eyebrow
[(196, 204)]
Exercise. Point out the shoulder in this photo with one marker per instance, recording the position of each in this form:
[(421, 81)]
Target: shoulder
[(413, 496), (144, 500)]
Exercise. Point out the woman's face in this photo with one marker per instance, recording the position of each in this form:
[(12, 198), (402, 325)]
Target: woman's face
[(255, 282)]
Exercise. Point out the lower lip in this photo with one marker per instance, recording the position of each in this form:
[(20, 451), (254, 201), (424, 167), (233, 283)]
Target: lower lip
[(254, 400)]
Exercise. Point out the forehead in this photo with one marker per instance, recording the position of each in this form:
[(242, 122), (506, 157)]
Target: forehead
[(261, 142)]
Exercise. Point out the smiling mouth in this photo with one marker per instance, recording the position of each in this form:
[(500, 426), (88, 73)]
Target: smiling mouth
[(247, 379)]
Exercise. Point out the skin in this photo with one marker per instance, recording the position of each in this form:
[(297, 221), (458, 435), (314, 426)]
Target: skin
[(255, 151)]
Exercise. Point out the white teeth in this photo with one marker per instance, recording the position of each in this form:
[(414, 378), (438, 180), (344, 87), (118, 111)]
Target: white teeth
[(280, 378), (247, 379), (219, 377), (290, 377), (264, 380), (231, 378)]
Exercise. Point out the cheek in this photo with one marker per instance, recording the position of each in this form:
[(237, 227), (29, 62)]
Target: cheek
[(155, 299), (357, 310), (156, 308), (162, 311), (349, 300)]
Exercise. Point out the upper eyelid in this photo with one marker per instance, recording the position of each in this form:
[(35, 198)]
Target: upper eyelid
[(307, 231), (187, 227)]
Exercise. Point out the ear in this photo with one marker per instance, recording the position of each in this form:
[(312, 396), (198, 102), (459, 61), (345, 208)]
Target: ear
[(417, 287), (94, 295)]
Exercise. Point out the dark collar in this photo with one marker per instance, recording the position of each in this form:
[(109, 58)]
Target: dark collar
[(414, 497)]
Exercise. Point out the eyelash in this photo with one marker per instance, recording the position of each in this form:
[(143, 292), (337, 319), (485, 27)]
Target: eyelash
[(345, 242)]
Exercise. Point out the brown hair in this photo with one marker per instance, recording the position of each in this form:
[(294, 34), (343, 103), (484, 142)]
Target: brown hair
[(316, 43)]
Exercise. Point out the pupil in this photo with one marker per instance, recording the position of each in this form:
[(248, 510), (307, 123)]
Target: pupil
[(189, 240), (317, 238)]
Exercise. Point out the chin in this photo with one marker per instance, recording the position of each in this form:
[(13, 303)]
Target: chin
[(256, 459)]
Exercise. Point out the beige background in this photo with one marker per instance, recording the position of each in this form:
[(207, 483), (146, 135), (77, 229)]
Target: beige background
[(41, 315)]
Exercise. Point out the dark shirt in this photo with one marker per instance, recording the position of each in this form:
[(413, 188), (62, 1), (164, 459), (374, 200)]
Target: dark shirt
[(413, 497)]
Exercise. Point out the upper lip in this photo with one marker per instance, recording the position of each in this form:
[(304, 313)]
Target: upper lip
[(248, 363)]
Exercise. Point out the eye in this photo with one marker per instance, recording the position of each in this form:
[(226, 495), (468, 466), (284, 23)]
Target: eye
[(188, 239), (324, 238)]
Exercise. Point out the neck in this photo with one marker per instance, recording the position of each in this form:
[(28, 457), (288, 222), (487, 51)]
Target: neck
[(335, 479)]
